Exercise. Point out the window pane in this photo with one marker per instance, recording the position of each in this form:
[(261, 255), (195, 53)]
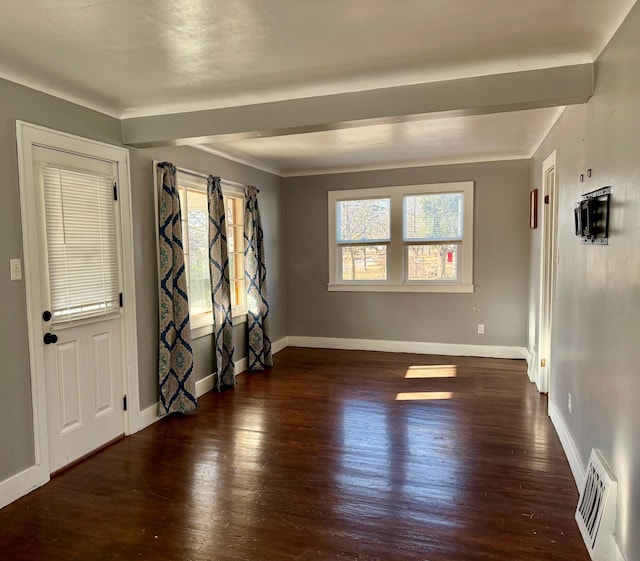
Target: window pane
[(238, 207), (232, 266), (363, 220), (365, 262), (235, 241), (230, 239), (432, 262), (433, 217), (229, 211), (239, 237), (198, 236), (237, 293)]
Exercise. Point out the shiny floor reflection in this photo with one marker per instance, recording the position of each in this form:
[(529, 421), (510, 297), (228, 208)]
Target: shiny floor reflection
[(333, 455)]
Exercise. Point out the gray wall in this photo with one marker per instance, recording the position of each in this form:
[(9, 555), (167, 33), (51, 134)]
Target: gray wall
[(270, 203), (17, 102), (500, 263), (595, 354)]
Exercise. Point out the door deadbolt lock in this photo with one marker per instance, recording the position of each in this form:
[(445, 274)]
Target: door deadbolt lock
[(46, 315), (50, 338)]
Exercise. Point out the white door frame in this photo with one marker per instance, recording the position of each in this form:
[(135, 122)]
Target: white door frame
[(27, 136), (548, 262)]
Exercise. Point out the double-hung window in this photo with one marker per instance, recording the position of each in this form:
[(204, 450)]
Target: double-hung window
[(416, 238), (195, 235)]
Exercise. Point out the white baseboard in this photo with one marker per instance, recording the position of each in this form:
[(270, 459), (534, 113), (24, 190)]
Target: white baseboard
[(205, 385), (241, 366), (279, 345), (148, 416), (22, 484), (569, 447), (616, 550), (448, 349), (532, 362)]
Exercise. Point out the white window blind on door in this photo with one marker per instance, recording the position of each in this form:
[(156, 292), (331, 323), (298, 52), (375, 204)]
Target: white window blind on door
[(81, 244)]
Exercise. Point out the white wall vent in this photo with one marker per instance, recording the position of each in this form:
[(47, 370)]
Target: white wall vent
[(596, 512)]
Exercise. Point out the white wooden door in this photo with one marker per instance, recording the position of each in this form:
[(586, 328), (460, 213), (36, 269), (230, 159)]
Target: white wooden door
[(80, 251)]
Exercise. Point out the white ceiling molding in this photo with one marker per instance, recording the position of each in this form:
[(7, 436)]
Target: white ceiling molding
[(35, 83), (241, 159), (552, 123), (610, 27), (401, 165)]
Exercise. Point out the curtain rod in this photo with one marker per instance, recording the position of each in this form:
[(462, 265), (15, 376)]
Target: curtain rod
[(205, 177)]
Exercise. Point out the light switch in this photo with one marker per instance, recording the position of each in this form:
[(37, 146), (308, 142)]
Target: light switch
[(16, 269)]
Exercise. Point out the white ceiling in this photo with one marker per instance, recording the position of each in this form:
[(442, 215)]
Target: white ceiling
[(133, 58), (450, 140)]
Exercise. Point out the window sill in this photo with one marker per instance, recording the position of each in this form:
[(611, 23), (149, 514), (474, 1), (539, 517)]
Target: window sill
[(453, 288), (240, 318), (202, 330)]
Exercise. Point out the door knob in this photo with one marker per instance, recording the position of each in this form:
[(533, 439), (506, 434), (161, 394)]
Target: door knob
[(50, 338)]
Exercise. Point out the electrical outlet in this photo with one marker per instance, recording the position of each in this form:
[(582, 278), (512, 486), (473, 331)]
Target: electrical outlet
[(481, 329), (569, 402), (16, 269)]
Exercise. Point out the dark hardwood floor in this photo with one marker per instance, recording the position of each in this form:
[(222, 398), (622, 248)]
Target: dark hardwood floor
[(333, 455)]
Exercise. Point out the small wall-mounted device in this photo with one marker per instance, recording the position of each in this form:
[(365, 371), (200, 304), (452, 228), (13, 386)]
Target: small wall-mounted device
[(592, 217)]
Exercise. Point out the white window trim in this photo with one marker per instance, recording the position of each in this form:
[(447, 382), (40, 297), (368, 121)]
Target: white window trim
[(204, 329), (395, 278), (202, 324)]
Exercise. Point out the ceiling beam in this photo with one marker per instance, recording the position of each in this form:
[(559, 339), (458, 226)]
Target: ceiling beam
[(496, 93)]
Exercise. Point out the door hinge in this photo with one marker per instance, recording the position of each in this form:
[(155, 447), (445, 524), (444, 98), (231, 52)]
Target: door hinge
[(121, 300), (115, 191), (124, 402), (546, 199)]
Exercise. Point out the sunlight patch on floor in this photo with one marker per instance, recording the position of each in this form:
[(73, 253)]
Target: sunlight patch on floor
[(432, 371), (423, 396)]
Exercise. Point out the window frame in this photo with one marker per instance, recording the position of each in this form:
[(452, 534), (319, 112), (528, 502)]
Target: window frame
[(397, 247), (202, 324)]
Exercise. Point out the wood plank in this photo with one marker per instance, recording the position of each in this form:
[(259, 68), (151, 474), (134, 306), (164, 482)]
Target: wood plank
[(317, 459)]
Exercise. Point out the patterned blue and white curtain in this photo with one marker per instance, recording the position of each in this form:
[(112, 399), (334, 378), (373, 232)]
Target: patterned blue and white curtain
[(177, 385), (220, 287), (259, 332)]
